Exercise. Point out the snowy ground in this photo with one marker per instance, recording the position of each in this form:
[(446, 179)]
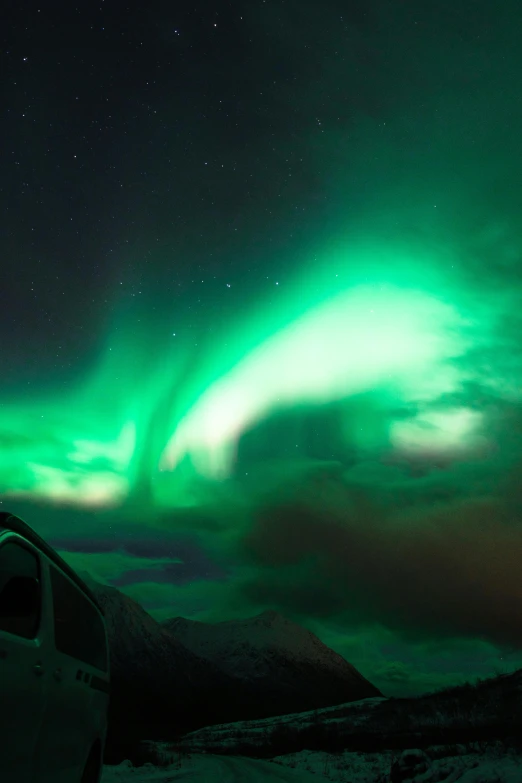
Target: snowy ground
[(307, 766), (207, 769), (375, 767)]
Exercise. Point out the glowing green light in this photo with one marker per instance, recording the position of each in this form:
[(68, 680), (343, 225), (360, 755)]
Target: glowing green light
[(439, 431), (369, 322), (368, 336)]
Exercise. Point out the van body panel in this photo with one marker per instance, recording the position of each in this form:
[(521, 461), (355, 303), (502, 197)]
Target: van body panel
[(53, 704), (23, 664), (20, 685), (74, 719)]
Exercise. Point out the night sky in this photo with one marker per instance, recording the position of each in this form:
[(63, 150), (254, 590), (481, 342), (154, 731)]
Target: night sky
[(261, 314)]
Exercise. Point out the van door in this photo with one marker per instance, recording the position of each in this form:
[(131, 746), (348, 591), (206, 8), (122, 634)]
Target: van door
[(73, 720), (23, 674)]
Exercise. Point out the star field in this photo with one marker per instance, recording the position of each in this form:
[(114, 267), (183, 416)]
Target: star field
[(261, 314)]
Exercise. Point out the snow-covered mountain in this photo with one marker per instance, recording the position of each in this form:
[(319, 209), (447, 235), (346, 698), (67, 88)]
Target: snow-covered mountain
[(276, 656), (179, 675)]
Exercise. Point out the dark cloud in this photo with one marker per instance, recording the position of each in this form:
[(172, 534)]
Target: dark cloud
[(197, 567), (91, 545), (190, 559), (449, 569)]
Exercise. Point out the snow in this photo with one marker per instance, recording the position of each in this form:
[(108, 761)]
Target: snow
[(471, 767), (468, 767), (207, 768)]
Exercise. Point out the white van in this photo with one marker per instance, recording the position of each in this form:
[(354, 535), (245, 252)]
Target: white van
[(54, 665)]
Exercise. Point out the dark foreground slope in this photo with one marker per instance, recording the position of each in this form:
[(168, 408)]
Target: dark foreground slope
[(487, 712), (158, 687), (162, 686)]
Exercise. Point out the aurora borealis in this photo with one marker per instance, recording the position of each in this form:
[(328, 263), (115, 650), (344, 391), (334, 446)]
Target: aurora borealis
[(261, 321)]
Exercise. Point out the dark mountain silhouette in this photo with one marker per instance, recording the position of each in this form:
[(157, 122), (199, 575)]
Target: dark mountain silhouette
[(286, 665), (177, 676)]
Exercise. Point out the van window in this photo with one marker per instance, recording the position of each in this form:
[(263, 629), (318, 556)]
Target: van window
[(20, 591), (79, 631)]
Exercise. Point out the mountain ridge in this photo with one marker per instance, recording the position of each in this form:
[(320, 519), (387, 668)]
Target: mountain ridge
[(162, 687), (270, 647)]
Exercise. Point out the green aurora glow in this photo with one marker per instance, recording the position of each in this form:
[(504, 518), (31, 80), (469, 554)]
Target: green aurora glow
[(328, 420), (137, 416)]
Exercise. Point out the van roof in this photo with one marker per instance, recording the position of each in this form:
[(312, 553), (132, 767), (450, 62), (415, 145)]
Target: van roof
[(11, 522)]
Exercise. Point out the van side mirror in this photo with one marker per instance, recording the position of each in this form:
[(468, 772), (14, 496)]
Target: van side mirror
[(20, 597)]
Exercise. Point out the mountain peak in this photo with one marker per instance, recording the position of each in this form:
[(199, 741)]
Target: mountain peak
[(217, 672), (275, 654)]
